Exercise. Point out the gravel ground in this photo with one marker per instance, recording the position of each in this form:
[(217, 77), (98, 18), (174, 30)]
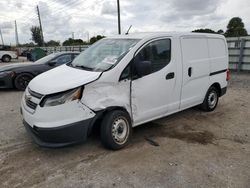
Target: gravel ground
[(196, 149)]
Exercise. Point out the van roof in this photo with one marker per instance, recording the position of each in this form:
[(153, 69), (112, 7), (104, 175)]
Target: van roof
[(143, 35)]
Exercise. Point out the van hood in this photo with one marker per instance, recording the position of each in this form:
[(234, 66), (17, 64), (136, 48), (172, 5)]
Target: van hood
[(60, 79)]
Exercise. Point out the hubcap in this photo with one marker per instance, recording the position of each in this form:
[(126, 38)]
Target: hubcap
[(120, 130), (6, 59), (212, 99)]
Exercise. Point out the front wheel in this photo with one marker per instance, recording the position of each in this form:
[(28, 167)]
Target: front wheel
[(116, 129), (6, 58), (22, 81), (211, 100)]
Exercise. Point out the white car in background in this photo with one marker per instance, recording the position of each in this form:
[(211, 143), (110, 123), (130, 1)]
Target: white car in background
[(6, 56)]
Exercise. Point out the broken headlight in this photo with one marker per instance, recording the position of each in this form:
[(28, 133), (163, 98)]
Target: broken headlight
[(63, 97)]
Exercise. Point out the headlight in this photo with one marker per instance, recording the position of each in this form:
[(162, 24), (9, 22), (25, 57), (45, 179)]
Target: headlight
[(61, 98)]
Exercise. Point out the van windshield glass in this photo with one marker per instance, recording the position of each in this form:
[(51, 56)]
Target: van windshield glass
[(104, 54)]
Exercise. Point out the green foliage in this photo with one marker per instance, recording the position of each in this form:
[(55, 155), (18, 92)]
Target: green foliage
[(36, 35), (94, 39), (220, 31), (31, 44), (52, 43), (204, 31), (72, 42), (236, 28)]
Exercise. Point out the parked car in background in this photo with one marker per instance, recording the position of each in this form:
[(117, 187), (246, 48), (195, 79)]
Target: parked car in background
[(6, 56), (18, 75)]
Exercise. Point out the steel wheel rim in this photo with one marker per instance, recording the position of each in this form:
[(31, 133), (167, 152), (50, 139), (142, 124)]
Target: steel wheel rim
[(212, 99), (120, 130), (6, 59)]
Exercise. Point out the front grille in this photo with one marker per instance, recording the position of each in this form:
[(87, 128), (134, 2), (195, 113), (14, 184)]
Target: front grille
[(30, 104), (35, 94), (32, 99)]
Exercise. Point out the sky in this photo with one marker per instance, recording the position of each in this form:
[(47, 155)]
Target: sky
[(87, 18)]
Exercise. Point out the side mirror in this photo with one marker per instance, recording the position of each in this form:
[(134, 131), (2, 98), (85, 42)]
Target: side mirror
[(52, 63), (143, 68)]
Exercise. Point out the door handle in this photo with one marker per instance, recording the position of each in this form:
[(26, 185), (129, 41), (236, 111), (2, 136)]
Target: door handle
[(170, 76), (190, 71)]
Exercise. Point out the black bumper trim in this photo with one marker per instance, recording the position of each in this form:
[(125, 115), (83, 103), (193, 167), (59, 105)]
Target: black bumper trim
[(60, 136), (223, 91), (217, 72)]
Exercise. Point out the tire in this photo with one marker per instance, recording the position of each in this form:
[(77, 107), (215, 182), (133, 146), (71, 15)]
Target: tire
[(6, 58), (22, 81), (211, 100), (116, 130)]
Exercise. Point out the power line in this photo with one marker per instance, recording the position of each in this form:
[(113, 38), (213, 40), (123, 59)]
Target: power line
[(65, 6)]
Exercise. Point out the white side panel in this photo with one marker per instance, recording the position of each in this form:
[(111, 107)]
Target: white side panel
[(100, 95), (218, 54), (195, 57), (151, 95)]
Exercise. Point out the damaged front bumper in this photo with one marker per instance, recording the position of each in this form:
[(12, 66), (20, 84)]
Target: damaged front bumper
[(60, 136), (58, 126)]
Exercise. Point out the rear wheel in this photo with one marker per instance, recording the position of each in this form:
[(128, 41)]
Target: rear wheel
[(211, 100), (22, 81), (6, 58), (116, 129)]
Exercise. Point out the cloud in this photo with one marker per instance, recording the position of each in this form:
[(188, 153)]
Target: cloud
[(109, 8), (195, 7), (62, 17), (6, 25), (19, 4)]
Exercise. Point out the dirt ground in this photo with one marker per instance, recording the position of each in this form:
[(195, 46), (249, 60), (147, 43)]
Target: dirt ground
[(196, 149)]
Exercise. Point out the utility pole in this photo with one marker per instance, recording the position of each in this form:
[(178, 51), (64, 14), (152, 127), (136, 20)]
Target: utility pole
[(1, 36), (40, 23), (73, 35), (87, 36), (119, 19), (17, 41)]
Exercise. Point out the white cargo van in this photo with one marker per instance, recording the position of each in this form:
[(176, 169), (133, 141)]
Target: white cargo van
[(124, 81)]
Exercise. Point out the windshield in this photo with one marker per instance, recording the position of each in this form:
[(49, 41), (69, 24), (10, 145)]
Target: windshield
[(104, 54), (46, 58)]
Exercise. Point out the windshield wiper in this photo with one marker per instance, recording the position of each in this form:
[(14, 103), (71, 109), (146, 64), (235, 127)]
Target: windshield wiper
[(83, 67), (69, 64)]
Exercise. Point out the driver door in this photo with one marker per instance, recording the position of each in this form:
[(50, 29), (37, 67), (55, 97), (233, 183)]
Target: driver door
[(153, 95)]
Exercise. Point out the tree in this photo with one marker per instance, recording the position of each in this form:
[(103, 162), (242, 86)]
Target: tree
[(235, 28), (36, 35), (220, 31), (52, 43), (204, 31), (31, 44), (94, 39), (71, 42)]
